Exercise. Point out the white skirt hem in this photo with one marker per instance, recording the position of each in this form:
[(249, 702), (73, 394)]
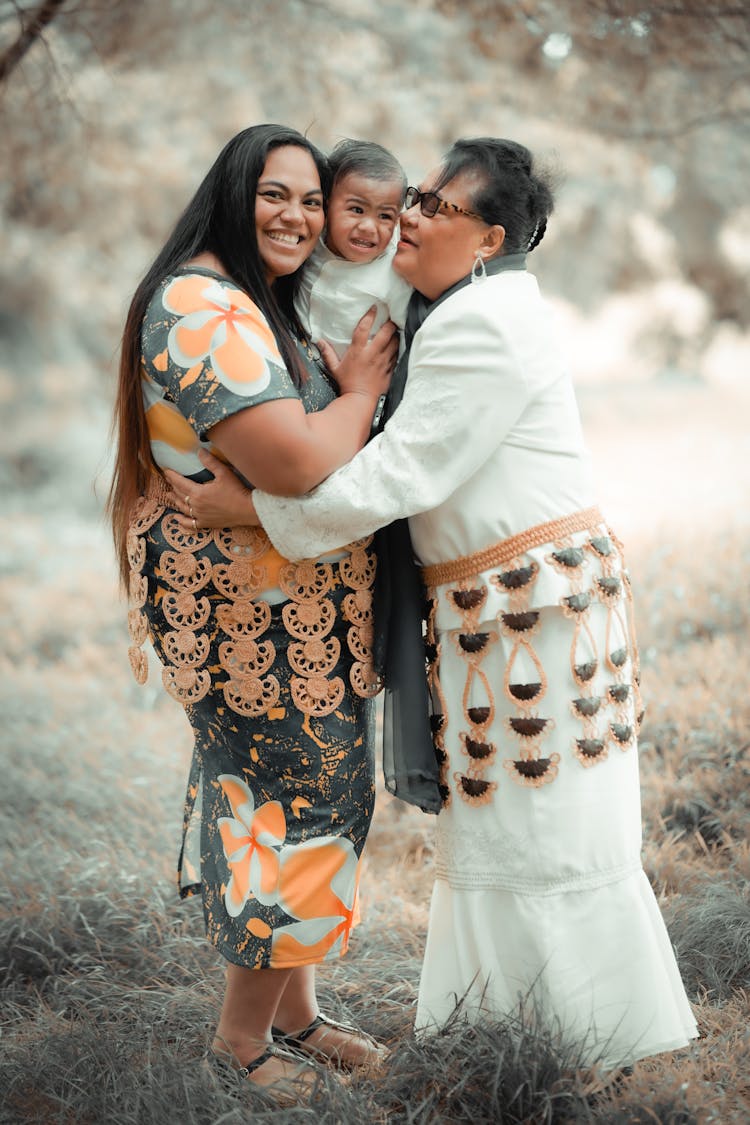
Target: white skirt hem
[(597, 964)]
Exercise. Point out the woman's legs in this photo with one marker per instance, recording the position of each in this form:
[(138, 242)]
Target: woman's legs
[(298, 1001), (257, 999), (298, 1007), (243, 1033)]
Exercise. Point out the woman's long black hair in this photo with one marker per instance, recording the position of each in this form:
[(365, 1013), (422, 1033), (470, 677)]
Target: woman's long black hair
[(219, 219)]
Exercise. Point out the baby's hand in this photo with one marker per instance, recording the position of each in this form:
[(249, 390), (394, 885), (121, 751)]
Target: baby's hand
[(367, 364)]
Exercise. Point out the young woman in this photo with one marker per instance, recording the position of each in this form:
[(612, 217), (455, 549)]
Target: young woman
[(533, 665), (270, 659)]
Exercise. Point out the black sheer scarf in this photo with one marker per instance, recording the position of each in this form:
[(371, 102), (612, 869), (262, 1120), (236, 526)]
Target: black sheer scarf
[(409, 763)]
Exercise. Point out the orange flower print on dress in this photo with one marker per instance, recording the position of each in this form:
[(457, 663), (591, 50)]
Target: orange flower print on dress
[(318, 885), (252, 839), (222, 325)]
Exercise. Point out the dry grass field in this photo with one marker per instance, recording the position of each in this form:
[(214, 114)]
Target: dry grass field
[(108, 990)]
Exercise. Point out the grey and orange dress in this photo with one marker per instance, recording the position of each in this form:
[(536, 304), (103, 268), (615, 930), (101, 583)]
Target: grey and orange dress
[(270, 659)]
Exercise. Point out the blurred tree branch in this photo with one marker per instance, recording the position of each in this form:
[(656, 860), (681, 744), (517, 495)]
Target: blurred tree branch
[(634, 68), (32, 23), (109, 28)]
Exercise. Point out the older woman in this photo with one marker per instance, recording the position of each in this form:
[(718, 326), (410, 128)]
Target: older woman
[(533, 665), (270, 659)]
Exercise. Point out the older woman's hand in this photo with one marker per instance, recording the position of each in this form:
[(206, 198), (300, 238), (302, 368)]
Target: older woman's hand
[(221, 502)]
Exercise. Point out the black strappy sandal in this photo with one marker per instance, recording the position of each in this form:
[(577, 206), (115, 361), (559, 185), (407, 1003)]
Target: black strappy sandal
[(299, 1042), (230, 1068), (285, 1091)]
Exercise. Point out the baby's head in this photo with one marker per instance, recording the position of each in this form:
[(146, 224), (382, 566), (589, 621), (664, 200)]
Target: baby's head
[(366, 199)]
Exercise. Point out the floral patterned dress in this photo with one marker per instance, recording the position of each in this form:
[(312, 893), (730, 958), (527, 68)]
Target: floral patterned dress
[(271, 659)]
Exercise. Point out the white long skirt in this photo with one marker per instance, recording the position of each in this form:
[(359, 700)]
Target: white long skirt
[(540, 893), (597, 965)]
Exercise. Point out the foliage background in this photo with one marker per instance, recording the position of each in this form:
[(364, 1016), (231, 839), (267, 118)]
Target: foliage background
[(108, 121)]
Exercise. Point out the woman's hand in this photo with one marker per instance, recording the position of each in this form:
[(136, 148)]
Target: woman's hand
[(367, 364), (221, 502)]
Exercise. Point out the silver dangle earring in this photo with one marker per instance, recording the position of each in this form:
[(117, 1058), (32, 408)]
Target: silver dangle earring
[(478, 272)]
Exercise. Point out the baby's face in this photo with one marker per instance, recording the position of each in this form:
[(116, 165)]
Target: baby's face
[(362, 214)]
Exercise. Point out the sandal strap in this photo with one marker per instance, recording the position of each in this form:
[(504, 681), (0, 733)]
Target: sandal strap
[(350, 1028), (227, 1062), (288, 1040), (249, 1068), (319, 1021)]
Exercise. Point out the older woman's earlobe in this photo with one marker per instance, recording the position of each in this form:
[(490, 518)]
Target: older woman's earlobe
[(493, 241), (490, 247)]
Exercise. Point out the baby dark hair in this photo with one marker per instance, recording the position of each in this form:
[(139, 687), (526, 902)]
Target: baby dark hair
[(365, 158), (511, 191)]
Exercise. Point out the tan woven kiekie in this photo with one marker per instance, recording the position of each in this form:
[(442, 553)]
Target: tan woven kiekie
[(158, 489), (499, 554)]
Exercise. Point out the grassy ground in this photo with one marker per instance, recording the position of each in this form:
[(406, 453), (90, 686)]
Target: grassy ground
[(108, 990)]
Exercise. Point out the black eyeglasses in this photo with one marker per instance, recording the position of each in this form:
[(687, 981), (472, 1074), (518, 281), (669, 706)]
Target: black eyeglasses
[(430, 203)]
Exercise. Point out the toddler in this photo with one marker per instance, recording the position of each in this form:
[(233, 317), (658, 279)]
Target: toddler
[(350, 269)]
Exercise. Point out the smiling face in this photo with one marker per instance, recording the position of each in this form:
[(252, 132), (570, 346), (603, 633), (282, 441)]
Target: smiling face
[(362, 215), (434, 253), (289, 213)]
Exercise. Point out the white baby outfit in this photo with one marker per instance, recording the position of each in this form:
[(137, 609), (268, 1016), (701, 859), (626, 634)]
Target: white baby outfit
[(335, 294)]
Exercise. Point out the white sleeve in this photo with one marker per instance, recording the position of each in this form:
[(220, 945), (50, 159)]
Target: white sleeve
[(397, 298), (464, 392)]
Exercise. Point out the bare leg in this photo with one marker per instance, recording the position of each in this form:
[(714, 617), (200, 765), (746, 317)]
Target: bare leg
[(298, 1002), (250, 1000), (298, 1007), (244, 1029)]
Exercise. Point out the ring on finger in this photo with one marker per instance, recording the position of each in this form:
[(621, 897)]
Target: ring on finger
[(195, 524)]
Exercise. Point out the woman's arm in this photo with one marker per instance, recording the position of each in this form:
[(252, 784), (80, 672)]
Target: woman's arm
[(285, 451), (464, 392)]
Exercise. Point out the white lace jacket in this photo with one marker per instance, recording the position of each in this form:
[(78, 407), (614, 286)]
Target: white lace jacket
[(486, 442)]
